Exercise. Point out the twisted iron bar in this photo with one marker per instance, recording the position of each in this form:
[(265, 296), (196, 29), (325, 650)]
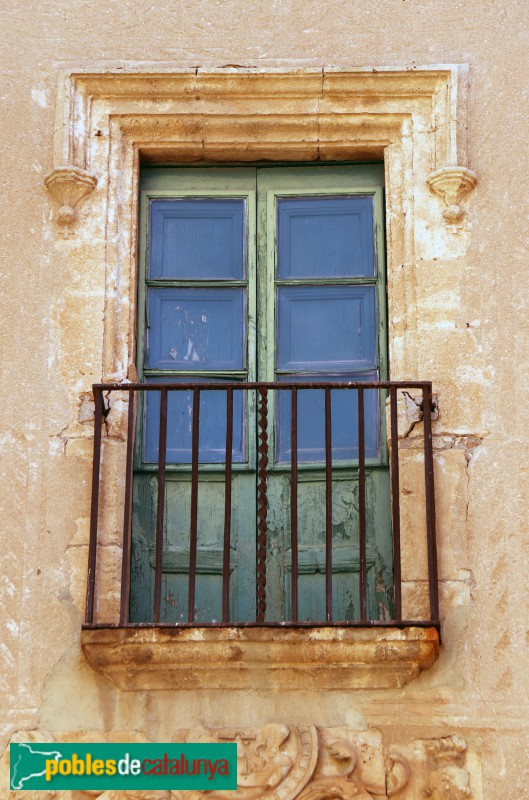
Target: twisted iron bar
[(262, 503)]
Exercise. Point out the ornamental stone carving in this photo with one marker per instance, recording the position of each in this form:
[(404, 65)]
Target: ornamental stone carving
[(68, 186), (437, 770), (350, 764), (300, 762), (452, 184), (274, 762), (449, 780)]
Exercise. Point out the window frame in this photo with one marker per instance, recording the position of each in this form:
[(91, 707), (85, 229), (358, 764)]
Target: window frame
[(267, 282), (209, 182), (110, 121), (260, 252)]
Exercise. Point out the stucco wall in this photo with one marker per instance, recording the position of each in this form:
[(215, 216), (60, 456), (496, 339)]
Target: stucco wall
[(473, 310)]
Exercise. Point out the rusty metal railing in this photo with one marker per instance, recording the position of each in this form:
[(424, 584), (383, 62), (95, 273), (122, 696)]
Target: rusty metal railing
[(264, 464)]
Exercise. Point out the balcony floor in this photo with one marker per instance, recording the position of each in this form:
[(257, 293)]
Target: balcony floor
[(278, 658)]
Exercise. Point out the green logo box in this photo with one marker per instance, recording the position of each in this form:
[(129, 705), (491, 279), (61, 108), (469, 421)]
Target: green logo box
[(101, 766)]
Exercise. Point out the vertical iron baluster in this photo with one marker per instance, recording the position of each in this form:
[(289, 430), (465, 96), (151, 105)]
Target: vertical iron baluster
[(362, 505), (194, 506), (328, 507), (395, 503), (127, 515), (294, 505), (94, 510), (430, 504), (227, 509), (262, 502), (160, 507)]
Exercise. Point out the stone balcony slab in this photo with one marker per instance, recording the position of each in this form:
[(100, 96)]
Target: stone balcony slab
[(277, 658)]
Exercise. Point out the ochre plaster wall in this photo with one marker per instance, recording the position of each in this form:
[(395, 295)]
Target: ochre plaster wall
[(472, 312)]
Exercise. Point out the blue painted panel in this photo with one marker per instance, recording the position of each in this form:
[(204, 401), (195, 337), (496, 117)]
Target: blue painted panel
[(196, 328), (325, 237), (197, 239), (212, 438), (344, 421), (326, 328)]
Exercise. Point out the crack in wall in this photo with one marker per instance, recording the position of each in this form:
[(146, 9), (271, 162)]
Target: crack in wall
[(446, 441), (468, 442)]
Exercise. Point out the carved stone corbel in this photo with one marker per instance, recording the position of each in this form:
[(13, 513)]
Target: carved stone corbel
[(68, 186), (452, 184)]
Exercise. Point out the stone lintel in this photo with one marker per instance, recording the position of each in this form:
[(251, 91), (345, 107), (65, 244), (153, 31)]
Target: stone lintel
[(145, 659)]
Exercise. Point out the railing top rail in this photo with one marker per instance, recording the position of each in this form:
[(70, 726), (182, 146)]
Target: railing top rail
[(202, 383), (370, 623)]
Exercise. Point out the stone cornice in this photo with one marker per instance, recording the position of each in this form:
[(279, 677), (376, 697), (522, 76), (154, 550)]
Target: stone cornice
[(377, 92)]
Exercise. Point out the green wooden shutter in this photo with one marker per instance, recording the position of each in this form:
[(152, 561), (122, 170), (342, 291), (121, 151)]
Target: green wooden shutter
[(311, 249)]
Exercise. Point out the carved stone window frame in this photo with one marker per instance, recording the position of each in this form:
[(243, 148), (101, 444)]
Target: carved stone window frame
[(414, 120), (110, 122)]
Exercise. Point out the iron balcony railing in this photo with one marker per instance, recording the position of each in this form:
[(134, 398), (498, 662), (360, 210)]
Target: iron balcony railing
[(374, 431)]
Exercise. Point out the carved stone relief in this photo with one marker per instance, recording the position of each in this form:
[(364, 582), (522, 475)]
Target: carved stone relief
[(289, 762), (274, 762), (452, 184), (449, 780), (436, 769), (68, 186)]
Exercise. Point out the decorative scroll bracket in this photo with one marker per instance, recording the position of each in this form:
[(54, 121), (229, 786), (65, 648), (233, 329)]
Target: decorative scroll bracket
[(452, 184), (68, 186)]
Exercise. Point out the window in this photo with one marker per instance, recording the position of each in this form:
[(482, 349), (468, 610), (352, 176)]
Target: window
[(183, 117), (261, 274)]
